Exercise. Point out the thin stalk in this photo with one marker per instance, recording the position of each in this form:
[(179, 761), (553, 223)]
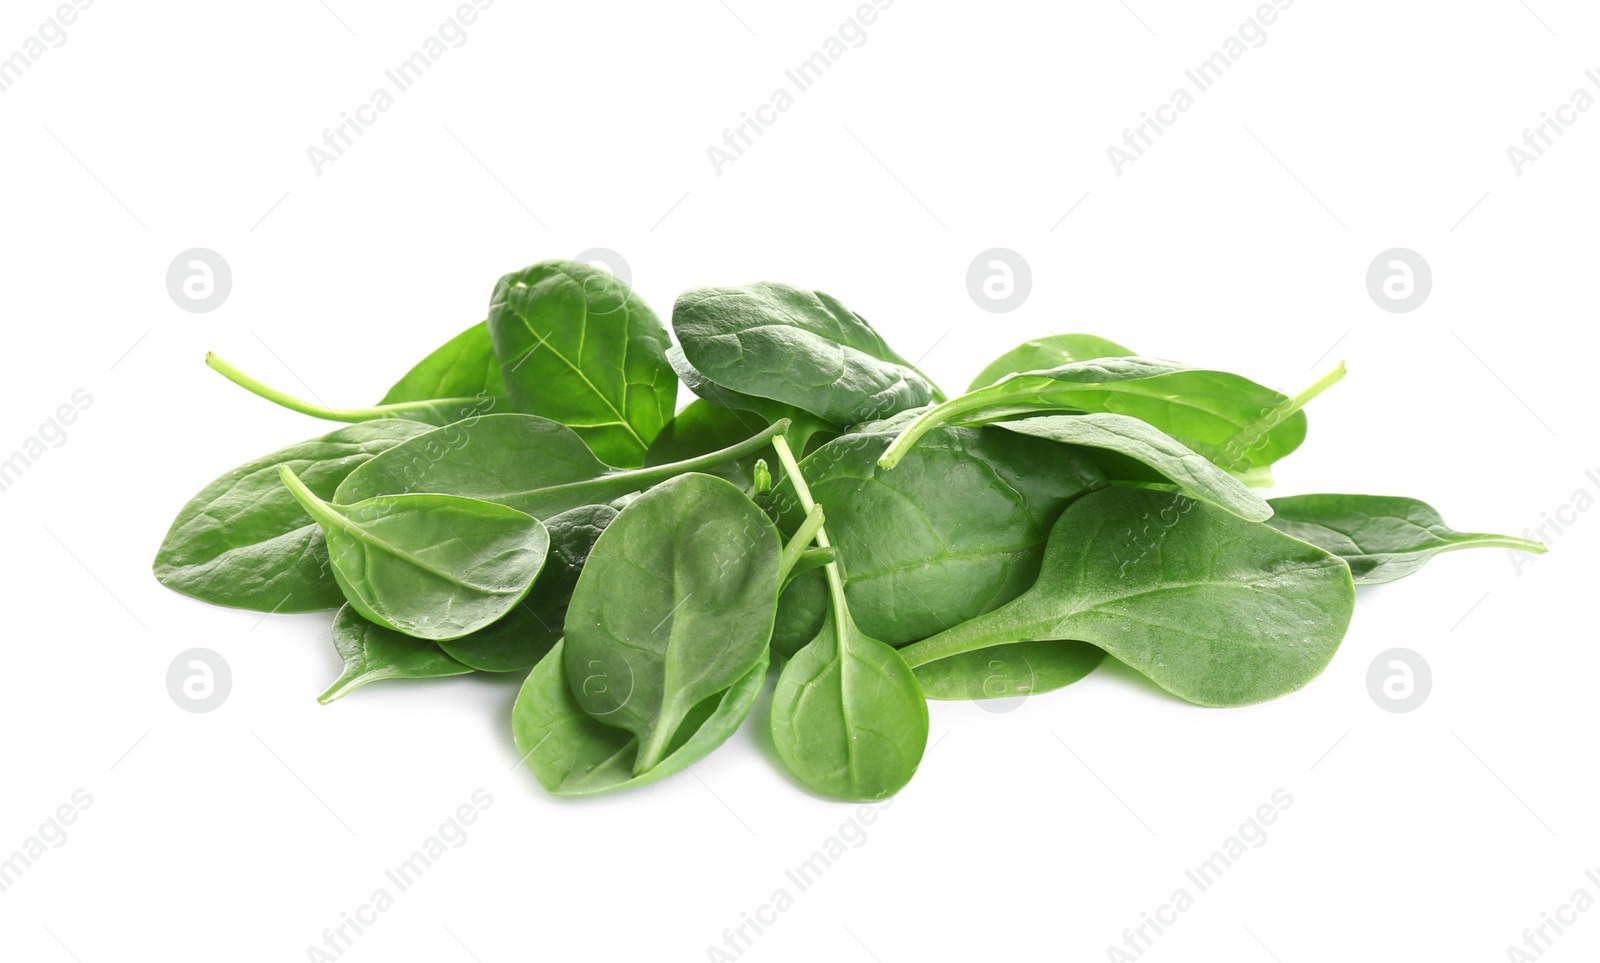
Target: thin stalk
[(800, 543), (424, 411), (841, 614), (1316, 388)]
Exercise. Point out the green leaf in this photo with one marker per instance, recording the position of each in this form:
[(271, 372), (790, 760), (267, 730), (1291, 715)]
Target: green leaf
[(517, 642), (371, 652), (431, 566), (463, 367), (847, 716), (244, 541), (574, 755), (1233, 421), (529, 463), (1051, 352), (957, 529), (675, 604), (1381, 537), (1215, 609), (798, 347), (577, 346), (1193, 473), (750, 410), (1002, 671)]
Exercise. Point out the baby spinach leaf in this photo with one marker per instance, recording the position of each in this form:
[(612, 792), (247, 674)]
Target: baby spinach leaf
[(574, 755), (798, 347), (1381, 537), (371, 652), (578, 346), (244, 541), (518, 641), (803, 425), (956, 530), (1215, 609), (429, 411), (530, 463), (675, 605), (1194, 474), (1051, 352), (430, 566), (1233, 421), (1001, 671), (463, 367), (847, 716)]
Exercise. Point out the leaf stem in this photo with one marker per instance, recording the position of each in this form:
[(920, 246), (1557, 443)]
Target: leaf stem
[(924, 423), (974, 634), (1316, 388), (791, 468), (801, 541), (413, 410)]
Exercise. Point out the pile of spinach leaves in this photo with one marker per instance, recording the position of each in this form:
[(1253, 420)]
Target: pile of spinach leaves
[(529, 499)]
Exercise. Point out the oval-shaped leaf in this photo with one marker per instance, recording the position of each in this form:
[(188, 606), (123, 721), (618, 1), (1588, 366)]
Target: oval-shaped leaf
[(798, 347), (955, 530), (1215, 609), (518, 641), (675, 604), (431, 566), (245, 542), (578, 346)]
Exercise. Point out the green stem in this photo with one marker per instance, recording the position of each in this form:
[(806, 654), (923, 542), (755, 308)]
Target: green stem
[(655, 474), (973, 634), (801, 541), (1316, 388), (1478, 540), (425, 411), (926, 422), (841, 614)]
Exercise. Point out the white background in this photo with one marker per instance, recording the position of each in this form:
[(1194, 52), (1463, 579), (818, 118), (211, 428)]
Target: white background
[(1241, 240)]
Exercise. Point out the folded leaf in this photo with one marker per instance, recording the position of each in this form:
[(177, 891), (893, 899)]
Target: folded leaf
[(1381, 537)]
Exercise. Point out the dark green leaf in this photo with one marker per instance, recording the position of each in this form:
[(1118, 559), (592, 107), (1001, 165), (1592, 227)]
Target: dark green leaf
[(955, 530), (798, 347), (244, 541), (577, 346), (1212, 608), (1381, 537), (675, 604)]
